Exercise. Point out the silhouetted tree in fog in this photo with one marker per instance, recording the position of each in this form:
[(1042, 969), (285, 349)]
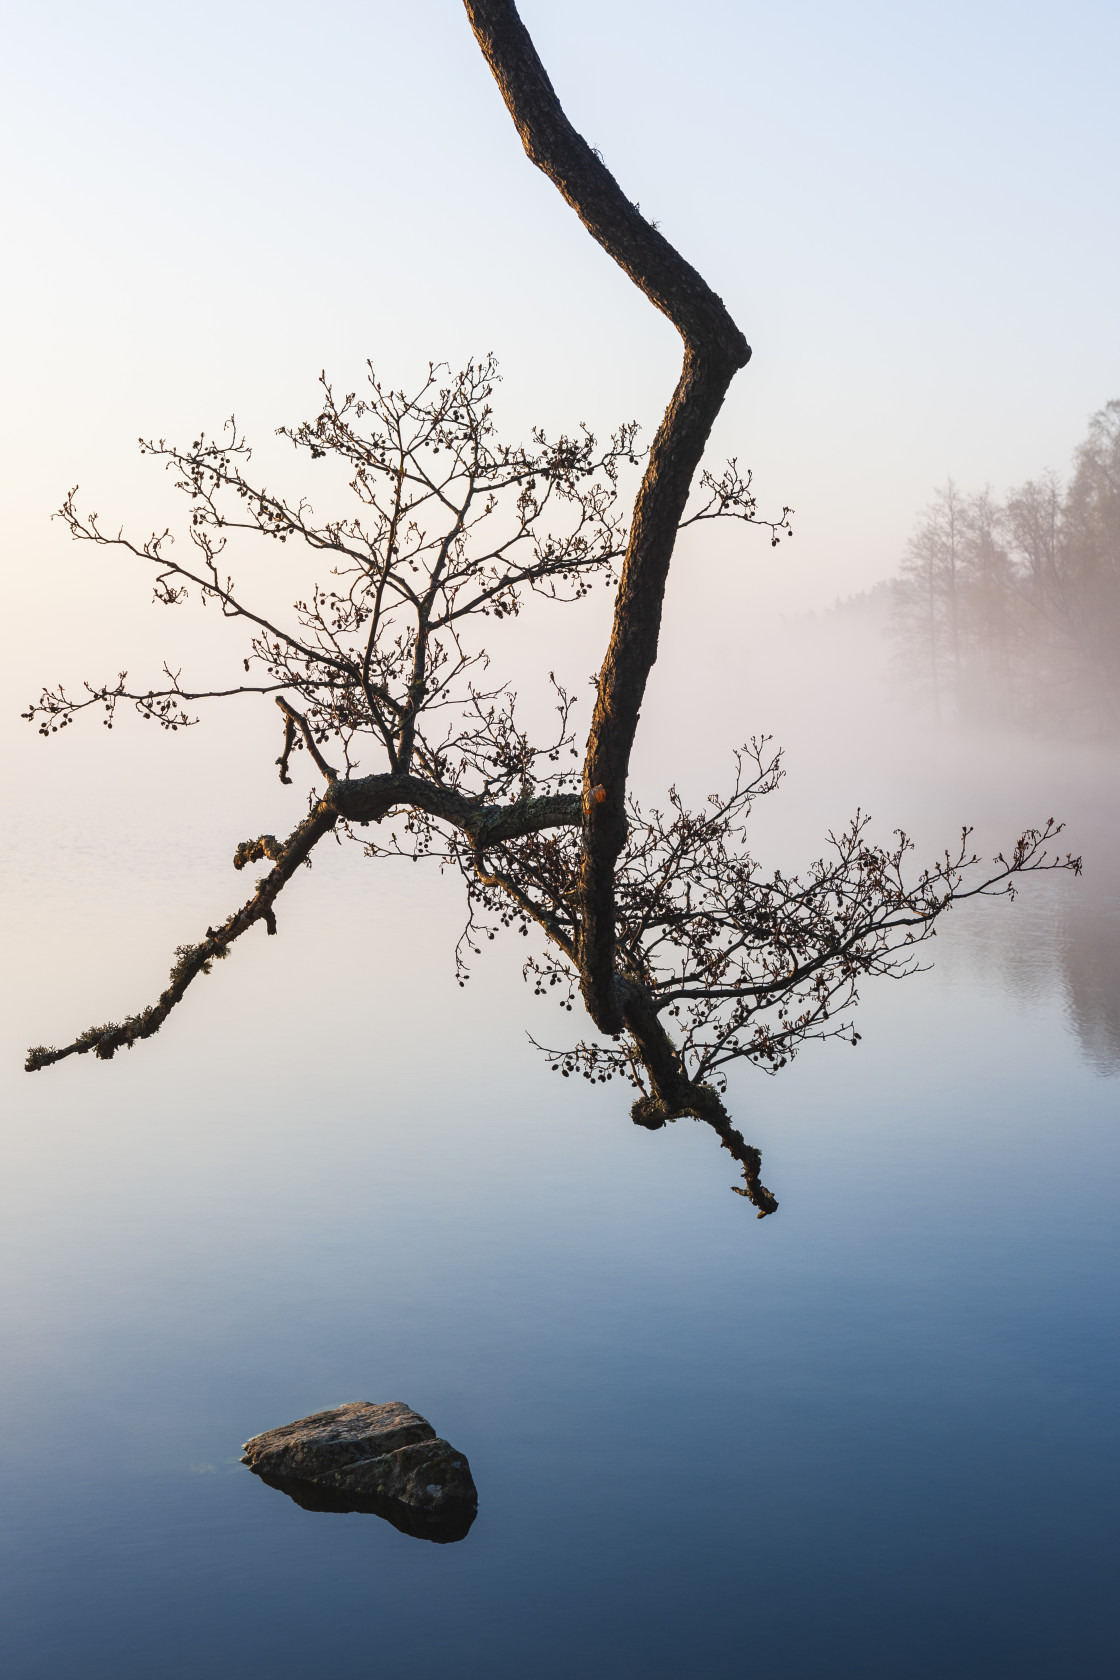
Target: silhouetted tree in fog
[(1013, 611)]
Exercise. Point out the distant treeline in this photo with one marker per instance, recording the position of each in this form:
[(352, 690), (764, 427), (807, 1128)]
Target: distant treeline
[(1010, 611)]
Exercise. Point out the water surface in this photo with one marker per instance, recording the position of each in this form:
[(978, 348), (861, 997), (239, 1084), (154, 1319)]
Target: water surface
[(873, 1436)]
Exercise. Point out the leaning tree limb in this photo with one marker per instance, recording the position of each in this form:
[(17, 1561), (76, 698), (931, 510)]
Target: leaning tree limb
[(714, 350), (673, 1094), (193, 960), (678, 944), (362, 799)]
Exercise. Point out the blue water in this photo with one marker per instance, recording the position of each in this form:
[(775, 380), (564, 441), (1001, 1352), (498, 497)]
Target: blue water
[(874, 1436)]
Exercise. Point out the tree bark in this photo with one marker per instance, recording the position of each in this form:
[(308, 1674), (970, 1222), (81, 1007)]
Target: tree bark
[(364, 799), (714, 350)]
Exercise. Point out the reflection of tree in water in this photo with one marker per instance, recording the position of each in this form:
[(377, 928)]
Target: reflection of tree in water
[(1055, 942), (1090, 962)]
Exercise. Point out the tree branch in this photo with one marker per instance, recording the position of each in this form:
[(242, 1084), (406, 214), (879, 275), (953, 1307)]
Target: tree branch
[(714, 350), (365, 799), (580, 174), (673, 1094), (193, 960), (370, 798), (304, 728)]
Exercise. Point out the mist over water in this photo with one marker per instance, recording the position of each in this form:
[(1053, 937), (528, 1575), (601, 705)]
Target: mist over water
[(852, 734), (872, 1436)]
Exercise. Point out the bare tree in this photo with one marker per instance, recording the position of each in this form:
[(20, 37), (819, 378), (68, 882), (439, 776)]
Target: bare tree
[(1015, 608), (1066, 541), (688, 956)]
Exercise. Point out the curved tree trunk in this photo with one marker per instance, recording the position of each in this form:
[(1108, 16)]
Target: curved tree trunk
[(714, 350)]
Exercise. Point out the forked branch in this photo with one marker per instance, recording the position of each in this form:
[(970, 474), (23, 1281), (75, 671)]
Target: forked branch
[(687, 955)]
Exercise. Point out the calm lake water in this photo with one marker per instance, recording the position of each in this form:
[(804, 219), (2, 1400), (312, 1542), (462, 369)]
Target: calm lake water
[(874, 1436)]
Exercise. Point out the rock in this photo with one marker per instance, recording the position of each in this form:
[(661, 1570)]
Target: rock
[(386, 1459), (330, 1441)]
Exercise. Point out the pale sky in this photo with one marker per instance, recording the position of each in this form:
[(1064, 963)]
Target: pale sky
[(910, 211)]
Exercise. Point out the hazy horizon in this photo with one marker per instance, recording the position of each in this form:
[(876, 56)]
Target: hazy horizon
[(335, 1174)]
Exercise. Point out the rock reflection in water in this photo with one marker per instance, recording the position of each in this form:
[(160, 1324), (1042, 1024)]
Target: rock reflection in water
[(443, 1527)]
